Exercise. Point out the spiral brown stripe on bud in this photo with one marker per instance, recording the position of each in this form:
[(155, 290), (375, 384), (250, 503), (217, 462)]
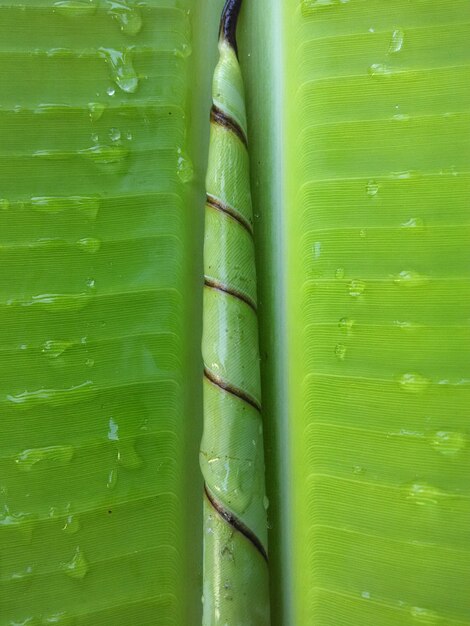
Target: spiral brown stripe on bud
[(239, 393), (220, 206), (223, 119), (214, 284), (238, 525)]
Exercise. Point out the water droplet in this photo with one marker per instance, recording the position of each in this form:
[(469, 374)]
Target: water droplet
[(424, 616), (340, 351), (340, 273), (396, 44), (127, 16), (114, 134), (88, 205), (54, 349), (89, 244), (52, 155), (401, 117), (110, 91), (22, 576), (184, 51), (414, 383), (72, 525), (48, 243), (4, 204), (112, 479), (59, 455), (184, 167), (127, 455), (405, 325), (405, 175), (28, 621), (96, 110), (414, 223), (317, 4), (372, 188), (21, 524), (356, 288), (265, 503), (55, 302), (53, 397), (59, 52), (51, 107), (129, 136), (77, 567), (122, 68), (109, 157), (75, 8), (61, 619), (422, 494), (346, 324), (233, 480), (449, 443), (113, 430), (54, 512), (365, 595), (317, 249), (363, 233), (378, 70), (311, 6), (409, 278), (403, 432), (94, 137), (10, 519), (90, 362), (357, 469)]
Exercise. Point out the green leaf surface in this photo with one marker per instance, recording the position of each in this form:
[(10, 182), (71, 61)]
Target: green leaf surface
[(358, 118), (101, 243), (378, 284)]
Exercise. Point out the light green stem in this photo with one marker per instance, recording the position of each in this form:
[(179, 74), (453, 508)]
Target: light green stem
[(232, 459)]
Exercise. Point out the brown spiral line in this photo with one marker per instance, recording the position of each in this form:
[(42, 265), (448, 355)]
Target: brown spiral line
[(235, 523), (220, 118)]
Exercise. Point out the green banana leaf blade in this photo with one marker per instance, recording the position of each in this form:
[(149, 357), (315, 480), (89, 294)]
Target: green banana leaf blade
[(378, 288), (94, 314)]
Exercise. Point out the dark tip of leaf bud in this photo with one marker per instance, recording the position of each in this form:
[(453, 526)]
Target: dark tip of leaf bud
[(228, 22)]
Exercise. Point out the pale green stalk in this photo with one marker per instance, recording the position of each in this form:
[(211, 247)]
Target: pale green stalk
[(232, 459)]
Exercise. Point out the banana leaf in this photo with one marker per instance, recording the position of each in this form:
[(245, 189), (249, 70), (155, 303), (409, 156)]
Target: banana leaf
[(359, 113), (103, 142), (358, 119)]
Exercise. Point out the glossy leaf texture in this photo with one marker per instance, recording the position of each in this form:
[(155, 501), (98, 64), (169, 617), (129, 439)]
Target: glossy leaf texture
[(358, 116), (100, 494), (378, 285)]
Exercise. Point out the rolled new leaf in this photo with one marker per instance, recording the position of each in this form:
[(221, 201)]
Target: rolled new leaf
[(232, 459)]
